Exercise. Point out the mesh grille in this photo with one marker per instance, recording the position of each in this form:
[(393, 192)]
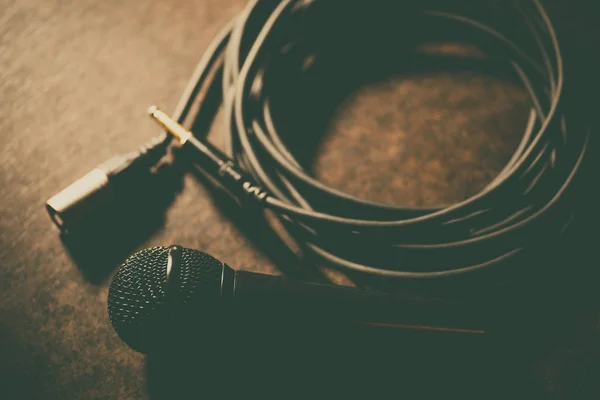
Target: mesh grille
[(200, 276), (137, 294)]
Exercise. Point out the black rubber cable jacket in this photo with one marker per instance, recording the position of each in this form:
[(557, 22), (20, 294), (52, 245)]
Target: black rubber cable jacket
[(266, 47)]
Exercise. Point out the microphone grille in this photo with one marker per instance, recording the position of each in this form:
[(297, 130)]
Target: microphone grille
[(200, 276), (138, 293)]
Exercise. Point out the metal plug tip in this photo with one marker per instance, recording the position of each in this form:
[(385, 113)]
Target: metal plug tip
[(169, 124)]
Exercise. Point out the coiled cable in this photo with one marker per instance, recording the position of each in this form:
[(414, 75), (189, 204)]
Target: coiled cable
[(524, 205)]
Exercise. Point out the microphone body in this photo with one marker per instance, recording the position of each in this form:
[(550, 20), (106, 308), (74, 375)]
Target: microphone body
[(164, 294), (267, 297)]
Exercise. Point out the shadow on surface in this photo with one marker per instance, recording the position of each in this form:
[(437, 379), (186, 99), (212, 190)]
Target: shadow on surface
[(253, 225), (278, 361), (304, 97), (99, 246), (541, 351)]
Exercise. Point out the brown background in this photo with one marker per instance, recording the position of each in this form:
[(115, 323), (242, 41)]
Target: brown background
[(75, 81)]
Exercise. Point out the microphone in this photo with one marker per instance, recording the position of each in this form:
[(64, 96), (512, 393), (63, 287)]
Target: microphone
[(158, 294)]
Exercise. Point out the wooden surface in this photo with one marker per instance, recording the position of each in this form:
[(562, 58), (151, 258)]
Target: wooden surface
[(75, 81)]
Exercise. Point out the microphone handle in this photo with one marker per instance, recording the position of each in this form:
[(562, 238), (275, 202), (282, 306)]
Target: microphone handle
[(257, 296)]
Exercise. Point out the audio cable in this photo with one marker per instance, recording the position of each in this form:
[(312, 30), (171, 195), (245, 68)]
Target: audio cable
[(266, 47)]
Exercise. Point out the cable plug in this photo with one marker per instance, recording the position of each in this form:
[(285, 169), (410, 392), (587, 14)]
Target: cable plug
[(101, 186)]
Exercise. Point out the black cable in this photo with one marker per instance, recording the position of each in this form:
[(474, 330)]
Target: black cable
[(266, 47), (522, 206)]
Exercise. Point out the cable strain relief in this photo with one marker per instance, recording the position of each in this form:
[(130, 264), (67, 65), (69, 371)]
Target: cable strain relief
[(156, 148)]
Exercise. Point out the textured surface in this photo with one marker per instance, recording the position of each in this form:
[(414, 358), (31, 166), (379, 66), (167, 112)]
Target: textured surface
[(75, 81), (137, 294)]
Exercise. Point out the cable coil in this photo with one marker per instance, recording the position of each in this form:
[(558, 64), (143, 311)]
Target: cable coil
[(268, 42)]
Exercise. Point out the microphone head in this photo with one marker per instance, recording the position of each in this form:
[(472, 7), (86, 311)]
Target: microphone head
[(154, 285)]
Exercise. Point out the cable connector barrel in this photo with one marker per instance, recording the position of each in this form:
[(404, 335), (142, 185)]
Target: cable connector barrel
[(101, 186), (212, 160)]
